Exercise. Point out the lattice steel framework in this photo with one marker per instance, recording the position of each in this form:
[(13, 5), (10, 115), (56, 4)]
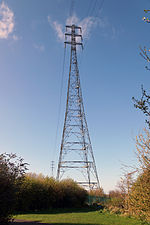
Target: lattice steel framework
[(76, 154)]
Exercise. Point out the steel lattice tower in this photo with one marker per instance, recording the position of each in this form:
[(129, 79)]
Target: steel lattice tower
[(76, 154)]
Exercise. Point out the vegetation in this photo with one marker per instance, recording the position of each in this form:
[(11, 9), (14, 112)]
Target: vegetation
[(137, 193), (79, 217), (133, 196), (144, 52), (20, 192), (144, 102), (39, 193), (139, 196), (33, 193), (98, 192), (12, 170), (144, 105)]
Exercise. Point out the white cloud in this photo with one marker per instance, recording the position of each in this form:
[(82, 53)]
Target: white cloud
[(57, 27), (59, 30), (40, 47), (86, 24), (6, 21), (72, 20)]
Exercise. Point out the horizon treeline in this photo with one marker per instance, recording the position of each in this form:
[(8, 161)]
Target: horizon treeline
[(38, 192)]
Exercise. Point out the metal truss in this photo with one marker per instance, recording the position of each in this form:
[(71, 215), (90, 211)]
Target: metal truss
[(76, 152)]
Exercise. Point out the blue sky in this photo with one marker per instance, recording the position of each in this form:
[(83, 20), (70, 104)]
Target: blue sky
[(111, 71)]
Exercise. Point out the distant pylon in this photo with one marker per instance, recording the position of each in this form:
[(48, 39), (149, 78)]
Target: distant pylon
[(76, 159)]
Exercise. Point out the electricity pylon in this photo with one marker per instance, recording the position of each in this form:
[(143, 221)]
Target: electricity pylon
[(76, 154)]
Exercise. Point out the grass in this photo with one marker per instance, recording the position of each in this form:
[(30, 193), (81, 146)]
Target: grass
[(78, 217)]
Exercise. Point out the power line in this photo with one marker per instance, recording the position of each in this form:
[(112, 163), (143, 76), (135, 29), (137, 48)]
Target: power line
[(99, 8), (60, 101), (71, 11), (89, 8), (93, 8)]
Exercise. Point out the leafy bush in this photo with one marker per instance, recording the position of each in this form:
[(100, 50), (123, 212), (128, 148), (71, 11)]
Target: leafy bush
[(12, 171), (139, 197), (73, 194), (115, 202), (39, 193), (134, 196)]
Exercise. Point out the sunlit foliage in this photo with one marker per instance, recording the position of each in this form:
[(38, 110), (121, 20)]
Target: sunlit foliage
[(39, 193)]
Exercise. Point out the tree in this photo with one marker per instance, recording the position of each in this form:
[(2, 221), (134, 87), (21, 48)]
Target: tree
[(143, 150), (139, 195), (144, 105), (38, 192), (133, 197), (12, 170), (144, 52)]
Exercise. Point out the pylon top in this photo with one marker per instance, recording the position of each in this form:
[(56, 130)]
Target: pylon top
[(73, 35)]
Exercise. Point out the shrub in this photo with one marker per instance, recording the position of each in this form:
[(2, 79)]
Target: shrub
[(73, 194), (134, 193), (12, 171), (139, 197), (139, 200), (42, 193)]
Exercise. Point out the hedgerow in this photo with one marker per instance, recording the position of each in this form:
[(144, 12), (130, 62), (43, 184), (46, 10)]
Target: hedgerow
[(41, 193)]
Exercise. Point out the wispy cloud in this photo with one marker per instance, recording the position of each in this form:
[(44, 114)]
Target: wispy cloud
[(57, 27), (116, 32), (72, 20), (6, 21), (87, 24), (39, 47)]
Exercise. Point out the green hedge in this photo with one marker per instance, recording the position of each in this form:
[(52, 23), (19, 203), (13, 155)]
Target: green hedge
[(39, 193)]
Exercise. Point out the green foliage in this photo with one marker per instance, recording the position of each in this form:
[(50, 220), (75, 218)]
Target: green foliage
[(39, 193), (98, 192), (12, 171), (139, 196), (115, 202), (79, 217), (133, 198), (96, 198), (73, 194)]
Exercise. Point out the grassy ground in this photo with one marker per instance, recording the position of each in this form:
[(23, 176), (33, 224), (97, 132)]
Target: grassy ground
[(86, 217)]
